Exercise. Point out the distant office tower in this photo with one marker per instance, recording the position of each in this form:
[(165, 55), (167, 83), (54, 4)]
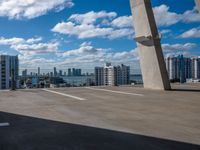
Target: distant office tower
[(38, 71), (51, 74), (60, 73), (9, 71), (99, 76), (188, 68), (196, 68), (24, 73), (73, 72), (69, 72), (54, 72), (78, 72), (112, 75)]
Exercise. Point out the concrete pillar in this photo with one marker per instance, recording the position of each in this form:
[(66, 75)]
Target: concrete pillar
[(198, 4), (148, 42)]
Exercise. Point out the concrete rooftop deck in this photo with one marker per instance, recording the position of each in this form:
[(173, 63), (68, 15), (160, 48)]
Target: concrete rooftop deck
[(105, 118)]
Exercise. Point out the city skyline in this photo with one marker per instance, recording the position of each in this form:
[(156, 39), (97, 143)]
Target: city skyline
[(70, 33)]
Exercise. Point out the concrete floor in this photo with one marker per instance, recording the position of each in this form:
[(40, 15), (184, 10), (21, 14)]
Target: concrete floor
[(101, 118)]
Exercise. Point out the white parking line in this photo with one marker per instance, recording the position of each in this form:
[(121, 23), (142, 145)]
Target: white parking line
[(5, 124), (118, 92), (66, 95)]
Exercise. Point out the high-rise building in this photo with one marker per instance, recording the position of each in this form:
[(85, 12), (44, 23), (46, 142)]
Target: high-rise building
[(122, 74), (73, 72), (109, 75), (180, 68), (60, 73), (38, 71), (69, 72), (9, 71), (24, 73), (188, 68), (173, 67), (195, 68), (78, 72), (54, 72), (99, 76), (112, 75)]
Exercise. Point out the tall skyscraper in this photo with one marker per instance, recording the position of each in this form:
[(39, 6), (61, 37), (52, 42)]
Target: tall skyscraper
[(188, 68), (99, 76), (38, 71), (9, 71), (60, 73), (54, 72), (24, 73), (69, 72), (182, 69), (73, 72), (196, 68)]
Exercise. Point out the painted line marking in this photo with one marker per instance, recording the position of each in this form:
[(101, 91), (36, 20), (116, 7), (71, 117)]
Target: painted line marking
[(118, 92), (5, 124), (66, 95)]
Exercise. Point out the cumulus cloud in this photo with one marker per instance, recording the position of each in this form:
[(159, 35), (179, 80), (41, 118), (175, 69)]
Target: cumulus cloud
[(192, 33), (165, 17), (91, 17), (89, 55), (123, 21), (28, 9), (94, 24), (30, 47), (11, 41), (178, 47), (39, 48)]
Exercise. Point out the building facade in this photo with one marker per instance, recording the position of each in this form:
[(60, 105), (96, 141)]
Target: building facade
[(195, 68), (180, 68), (9, 71), (99, 76), (112, 75)]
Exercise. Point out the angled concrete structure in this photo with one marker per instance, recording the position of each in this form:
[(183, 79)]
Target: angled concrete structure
[(148, 41), (198, 4)]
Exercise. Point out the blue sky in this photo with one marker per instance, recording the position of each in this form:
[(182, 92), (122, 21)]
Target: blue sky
[(87, 33)]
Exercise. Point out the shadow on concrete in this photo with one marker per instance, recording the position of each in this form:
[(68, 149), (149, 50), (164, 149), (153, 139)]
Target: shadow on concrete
[(186, 90), (28, 133)]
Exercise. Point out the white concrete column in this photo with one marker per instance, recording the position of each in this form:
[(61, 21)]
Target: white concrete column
[(148, 41), (198, 4)]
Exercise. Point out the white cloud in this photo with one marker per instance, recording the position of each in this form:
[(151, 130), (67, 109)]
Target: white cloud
[(87, 53), (165, 31), (124, 21), (28, 9), (192, 33), (191, 16), (91, 17), (165, 17), (11, 41), (93, 24), (35, 49), (30, 47), (178, 47)]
